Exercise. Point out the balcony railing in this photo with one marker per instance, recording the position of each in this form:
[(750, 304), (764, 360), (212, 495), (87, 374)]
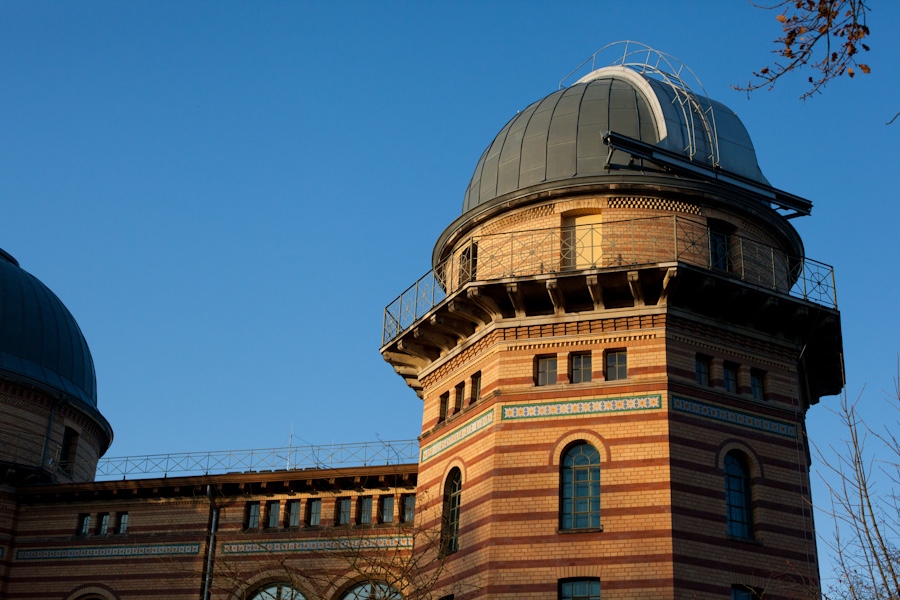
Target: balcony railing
[(271, 459), (616, 244)]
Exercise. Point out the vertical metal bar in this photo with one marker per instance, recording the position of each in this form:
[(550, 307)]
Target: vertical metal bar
[(633, 246), (774, 280), (833, 288), (741, 247), (384, 327), (803, 273), (416, 302), (511, 254), (709, 246), (675, 238)]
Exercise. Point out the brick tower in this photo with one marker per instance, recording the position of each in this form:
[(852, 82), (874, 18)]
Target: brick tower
[(616, 348)]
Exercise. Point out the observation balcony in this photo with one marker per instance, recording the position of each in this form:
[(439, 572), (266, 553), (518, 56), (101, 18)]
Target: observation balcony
[(631, 244), (653, 264)]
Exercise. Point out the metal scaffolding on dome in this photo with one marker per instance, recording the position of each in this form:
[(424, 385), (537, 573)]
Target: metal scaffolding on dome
[(644, 60), (291, 458)]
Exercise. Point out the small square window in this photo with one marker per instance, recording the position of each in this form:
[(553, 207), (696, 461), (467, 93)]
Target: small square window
[(122, 527), (445, 400), (581, 368), (365, 510), (758, 384), (103, 523), (476, 388), (387, 509), (731, 381), (546, 370), (459, 393), (703, 368), (579, 589), (616, 365), (273, 513), (409, 508), (293, 513), (314, 512), (343, 511), (253, 515), (84, 524)]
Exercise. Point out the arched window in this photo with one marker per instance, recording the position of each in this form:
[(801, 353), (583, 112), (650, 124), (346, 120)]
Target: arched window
[(368, 590), (737, 496), (450, 516), (277, 591), (580, 487)]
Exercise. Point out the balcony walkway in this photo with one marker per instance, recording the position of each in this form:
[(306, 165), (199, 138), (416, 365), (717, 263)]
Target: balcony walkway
[(617, 244)]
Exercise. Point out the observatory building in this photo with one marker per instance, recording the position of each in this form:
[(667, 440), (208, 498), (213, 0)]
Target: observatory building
[(615, 347)]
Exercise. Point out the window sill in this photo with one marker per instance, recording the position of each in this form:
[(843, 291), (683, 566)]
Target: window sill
[(753, 541), (581, 530)]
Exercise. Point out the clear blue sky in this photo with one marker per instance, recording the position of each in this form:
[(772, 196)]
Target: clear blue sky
[(226, 194)]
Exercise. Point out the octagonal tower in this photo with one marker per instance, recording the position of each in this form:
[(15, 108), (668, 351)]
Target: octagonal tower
[(616, 348)]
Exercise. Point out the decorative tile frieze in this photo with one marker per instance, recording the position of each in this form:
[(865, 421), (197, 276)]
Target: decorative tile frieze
[(479, 423), (580, 407), (367, 543), (107, 551), (733, 417)]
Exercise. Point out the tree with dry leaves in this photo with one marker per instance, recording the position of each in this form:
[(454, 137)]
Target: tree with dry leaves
[(823, 37)]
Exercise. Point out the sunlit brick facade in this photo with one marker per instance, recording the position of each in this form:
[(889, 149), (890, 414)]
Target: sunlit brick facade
[(616, 349)]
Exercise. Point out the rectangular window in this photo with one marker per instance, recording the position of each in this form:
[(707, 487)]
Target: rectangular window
[(68, 450), (445, 400), (731, 373), (758, 384), (314, 512), (460, 392), (252, 515), (387, 509), (103, 523), (409, 508), (365, 510), (616, 365), (84, 524), (579, 589), (745, 592), (273, 513), (546, 370), (720, 251), (343, 511), (703, 365), (581, 368), (122, 527), (293, 516), (476, 388)]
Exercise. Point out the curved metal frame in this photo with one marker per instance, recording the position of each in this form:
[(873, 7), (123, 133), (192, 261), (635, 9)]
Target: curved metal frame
[(671, 76)]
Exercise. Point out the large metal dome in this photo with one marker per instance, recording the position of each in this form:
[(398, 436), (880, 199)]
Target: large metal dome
[(40, 342), (559, 138)]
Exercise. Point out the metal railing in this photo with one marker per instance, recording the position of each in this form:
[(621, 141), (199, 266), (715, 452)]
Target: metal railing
[(616, 244), (291, 458)]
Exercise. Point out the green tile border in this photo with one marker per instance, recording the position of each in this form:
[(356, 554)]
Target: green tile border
[(734, 417), (482, 421), (569, 408), (318, 545), (107, 551)]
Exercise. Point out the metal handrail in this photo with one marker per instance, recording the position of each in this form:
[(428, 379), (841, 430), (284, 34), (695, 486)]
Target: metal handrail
[(291, 458), (616, 244)]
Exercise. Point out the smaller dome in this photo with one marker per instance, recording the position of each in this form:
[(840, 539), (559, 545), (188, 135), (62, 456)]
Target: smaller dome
[(560, 137), (40, 342)]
